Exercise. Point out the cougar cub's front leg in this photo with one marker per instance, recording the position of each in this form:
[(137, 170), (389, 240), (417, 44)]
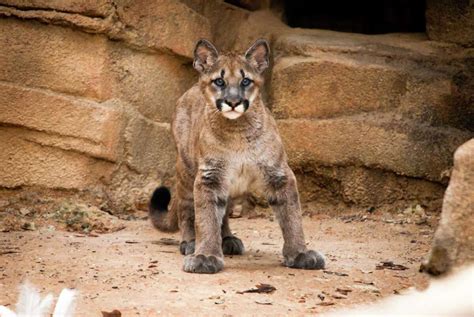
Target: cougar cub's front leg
[(231, 245), (210, 208), (282, 194)]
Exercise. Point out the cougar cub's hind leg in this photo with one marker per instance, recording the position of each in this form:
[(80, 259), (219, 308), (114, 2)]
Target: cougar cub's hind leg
[(185, 207), (231, 245), (283, 197), (186, 224)]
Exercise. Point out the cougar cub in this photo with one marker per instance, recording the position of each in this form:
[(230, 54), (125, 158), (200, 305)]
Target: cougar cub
[(228, 144)]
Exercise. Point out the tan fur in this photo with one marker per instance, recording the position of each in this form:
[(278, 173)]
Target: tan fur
[(221, 158)]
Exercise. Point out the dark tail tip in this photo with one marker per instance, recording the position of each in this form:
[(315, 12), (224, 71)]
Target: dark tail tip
[(160, 199)]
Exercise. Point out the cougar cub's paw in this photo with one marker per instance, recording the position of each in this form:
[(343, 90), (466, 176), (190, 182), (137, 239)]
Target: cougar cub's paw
[(232, 246), (202, 264), (187, 248), (309, 260)]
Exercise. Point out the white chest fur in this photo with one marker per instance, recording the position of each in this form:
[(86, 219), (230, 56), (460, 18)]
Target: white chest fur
[(243, 177)]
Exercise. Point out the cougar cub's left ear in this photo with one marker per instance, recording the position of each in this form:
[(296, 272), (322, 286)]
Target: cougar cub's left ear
[(205, 55), (258, 55)]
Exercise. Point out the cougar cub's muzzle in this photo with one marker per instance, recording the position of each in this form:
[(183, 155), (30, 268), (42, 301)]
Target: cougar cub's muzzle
[(232, 108)]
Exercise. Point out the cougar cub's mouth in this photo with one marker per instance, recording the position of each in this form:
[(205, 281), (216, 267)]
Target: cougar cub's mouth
[(232, 110)]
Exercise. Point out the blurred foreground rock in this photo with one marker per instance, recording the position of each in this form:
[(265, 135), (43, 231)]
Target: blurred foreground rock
[(453, 243)]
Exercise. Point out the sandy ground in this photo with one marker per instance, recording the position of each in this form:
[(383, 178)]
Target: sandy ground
[(137, 270)]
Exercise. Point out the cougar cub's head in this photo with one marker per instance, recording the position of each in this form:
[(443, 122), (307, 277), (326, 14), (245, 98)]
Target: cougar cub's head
[(231, 82)]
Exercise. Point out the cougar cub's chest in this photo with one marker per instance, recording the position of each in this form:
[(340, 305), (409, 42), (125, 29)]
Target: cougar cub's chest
[(244, 176)]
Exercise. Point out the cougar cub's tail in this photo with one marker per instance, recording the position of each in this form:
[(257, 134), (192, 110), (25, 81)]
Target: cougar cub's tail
[(162, 218)]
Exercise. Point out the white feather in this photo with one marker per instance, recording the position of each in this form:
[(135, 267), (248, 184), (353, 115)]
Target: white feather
[(30, 303), (66, 303), (5, 312)]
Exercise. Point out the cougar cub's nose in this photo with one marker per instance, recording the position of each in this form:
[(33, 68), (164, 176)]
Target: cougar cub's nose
[(233, 102)]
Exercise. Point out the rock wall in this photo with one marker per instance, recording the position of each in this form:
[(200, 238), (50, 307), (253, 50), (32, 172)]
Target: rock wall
[(89, 88), (88, 91)]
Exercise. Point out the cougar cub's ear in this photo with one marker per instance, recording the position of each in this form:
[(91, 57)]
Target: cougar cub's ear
[(205, 55), (258, 55)]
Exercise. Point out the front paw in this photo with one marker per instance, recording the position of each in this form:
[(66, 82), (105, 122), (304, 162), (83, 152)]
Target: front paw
[(202, 264), (232, 246), (186, 248), (308, 260)]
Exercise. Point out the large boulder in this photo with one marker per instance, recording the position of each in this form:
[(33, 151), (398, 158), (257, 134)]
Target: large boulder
[(453, 243)]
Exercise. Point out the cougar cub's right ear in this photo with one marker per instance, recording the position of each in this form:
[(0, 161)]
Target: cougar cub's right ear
[(205, 55)]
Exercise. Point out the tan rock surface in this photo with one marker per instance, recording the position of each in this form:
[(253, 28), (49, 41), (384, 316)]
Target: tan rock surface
[(66, 122), (453, 243), (25, 163), (403, 147), (99, 8), (55, 58), (151, 83), (225, 20), (149, 146), (331, 86), (367, 187), (164, 23)]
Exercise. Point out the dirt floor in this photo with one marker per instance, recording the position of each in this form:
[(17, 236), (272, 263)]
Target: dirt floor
[(137, 270)]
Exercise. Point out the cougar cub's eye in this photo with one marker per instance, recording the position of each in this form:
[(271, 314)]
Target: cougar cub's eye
[(245, 82), (219, 82)]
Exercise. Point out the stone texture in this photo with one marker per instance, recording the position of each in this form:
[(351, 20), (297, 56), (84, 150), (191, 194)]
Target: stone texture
[(439, 99), (365, 187), (164, 24), (65, 122), (108, 26), (225, 21), (453, 243), (141, 25), (372, 187), (402, 47), (450, 21), (323, 88), (381, 142), (149, 147), (251, 4), (94, 8), (25, 163), (55, 58), (152, 83), (259, 24)]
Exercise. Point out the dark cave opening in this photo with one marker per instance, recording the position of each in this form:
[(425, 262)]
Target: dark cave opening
[(363, 16)]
